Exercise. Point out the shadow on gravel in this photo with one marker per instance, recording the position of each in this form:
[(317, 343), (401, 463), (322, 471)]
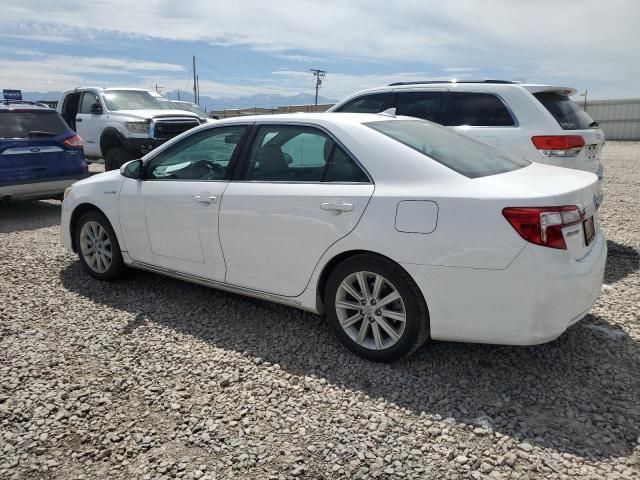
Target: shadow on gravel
[(23, 216), (578, 394), (622, 260)]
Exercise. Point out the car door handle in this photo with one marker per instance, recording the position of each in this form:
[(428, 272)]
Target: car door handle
[(78, 119), (336, 207), (205, 198)]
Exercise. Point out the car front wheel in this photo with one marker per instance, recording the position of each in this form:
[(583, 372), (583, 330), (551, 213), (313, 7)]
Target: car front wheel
[(97, 247), (376, 309)]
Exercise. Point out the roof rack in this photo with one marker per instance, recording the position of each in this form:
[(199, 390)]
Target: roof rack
[(429, 82), (7, 101)]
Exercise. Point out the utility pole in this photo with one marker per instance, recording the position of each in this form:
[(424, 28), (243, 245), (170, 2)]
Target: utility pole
[(178, 94), (586, 92), (159, 89), (318, 77), (195, 84), (198, 89)]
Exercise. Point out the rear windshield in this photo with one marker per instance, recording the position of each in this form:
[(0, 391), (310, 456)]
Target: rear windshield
[(566, 112), (15, 124), (467, 156)]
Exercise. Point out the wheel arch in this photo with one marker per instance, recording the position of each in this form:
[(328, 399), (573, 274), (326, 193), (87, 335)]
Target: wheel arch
[(331, 265), (76, 214), (109, 139)]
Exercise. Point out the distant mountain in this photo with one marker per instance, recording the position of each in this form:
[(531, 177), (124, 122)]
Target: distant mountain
[(260, 100)]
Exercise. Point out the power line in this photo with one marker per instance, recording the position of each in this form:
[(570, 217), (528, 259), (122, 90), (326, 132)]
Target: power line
[(318, 77), (246, 82)]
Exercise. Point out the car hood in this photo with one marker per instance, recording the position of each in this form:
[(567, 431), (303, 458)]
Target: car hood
[(149, 114)]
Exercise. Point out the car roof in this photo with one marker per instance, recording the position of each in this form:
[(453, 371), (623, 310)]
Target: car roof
[(318, 118), (23, 105)]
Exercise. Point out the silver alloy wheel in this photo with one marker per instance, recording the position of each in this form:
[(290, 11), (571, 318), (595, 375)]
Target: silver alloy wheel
[(370, 310), (95, 246)]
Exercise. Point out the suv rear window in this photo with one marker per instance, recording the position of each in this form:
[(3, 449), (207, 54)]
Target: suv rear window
[(16, 124), (566, 112), (476, 110), (469, 157)]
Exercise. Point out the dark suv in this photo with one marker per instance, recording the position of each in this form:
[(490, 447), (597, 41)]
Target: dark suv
[(40, 155)]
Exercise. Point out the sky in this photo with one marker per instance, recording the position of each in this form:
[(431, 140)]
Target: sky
[(246, 47)]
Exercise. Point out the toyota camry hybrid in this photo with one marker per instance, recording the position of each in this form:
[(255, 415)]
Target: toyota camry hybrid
[(398, 229)]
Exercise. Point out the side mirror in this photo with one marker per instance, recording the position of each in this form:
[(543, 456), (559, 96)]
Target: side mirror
[(96, 109), (132, 169)]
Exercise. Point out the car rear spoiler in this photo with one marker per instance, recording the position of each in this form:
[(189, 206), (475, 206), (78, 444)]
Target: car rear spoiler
[(567, 91)]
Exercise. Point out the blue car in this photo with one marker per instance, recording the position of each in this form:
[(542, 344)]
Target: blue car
[(40, 155)]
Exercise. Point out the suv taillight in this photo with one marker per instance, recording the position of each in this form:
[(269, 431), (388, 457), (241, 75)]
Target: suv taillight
[(74, 142), (543, 225), (558, 145)]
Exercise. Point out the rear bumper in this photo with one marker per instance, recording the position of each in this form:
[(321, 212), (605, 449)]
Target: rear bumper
[(39, 188), (532, 301)]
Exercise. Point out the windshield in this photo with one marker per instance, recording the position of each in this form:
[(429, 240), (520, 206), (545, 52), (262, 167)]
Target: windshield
[(460, 153), (190, 107), (136, 100), (566, 112), (31, 124)]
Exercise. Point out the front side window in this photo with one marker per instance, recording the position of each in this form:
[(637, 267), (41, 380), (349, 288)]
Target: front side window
[(427, 105), (205, 155), (288, 153), (373, 103), (88, 99), (476, 110), (469, 157)]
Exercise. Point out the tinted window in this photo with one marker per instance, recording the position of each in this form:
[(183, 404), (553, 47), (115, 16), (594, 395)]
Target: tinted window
[(566, 112), (374, 103), (427, 105), (477, 110), (46, 123), (469, 157), (205, 155), (282, 153), (88, 99)]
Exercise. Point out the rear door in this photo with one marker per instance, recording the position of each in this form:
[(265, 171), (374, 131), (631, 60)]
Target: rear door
[(484, 116), (299, 192), (32, 147)]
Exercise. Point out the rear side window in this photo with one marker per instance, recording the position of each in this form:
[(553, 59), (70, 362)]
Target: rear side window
[(46, 123), (476, 110), (374, 103), (566, 112), (427, 105), (460, 153)]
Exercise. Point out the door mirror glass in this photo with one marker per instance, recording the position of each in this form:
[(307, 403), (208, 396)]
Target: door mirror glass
[(132, 169), (96, 109)]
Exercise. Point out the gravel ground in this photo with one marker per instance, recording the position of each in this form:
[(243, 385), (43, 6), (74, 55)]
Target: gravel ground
[(156, 378)]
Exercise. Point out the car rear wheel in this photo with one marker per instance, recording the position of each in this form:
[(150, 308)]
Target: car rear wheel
[(376, 309), (116, 157), (98, 247)]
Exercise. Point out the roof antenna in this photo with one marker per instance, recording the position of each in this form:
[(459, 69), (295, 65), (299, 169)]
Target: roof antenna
[(389, 112)]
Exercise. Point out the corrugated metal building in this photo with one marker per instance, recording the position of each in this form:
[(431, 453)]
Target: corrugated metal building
[(619, 119)]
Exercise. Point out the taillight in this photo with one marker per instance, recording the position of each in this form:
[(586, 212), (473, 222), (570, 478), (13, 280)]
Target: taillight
[(543, 225), (74, 142), (558, 145)]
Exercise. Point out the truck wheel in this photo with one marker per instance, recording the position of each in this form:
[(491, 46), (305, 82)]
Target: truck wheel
[(115, 158)]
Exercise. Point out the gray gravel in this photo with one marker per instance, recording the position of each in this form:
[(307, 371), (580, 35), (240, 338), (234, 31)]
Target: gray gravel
[(156, 378)]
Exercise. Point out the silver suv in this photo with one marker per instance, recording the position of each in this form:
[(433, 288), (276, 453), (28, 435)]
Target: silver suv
[(537, 122)]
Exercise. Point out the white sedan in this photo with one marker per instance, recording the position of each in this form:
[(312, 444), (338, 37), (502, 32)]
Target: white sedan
[(398, 229)]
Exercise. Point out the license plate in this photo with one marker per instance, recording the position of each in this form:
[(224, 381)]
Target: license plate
[(589, 230)]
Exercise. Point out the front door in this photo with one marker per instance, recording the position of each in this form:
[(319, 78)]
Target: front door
[(88, 124), (299, 193), (170, 218)]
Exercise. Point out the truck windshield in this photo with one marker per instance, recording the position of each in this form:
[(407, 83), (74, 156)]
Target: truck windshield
[(136, 100), (469, 157)]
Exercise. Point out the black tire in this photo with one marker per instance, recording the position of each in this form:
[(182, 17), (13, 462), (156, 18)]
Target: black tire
[(416, 325), (116, 157), (117, 267)]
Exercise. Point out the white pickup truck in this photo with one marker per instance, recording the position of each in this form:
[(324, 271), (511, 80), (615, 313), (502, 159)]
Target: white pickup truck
[(120, 124)]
